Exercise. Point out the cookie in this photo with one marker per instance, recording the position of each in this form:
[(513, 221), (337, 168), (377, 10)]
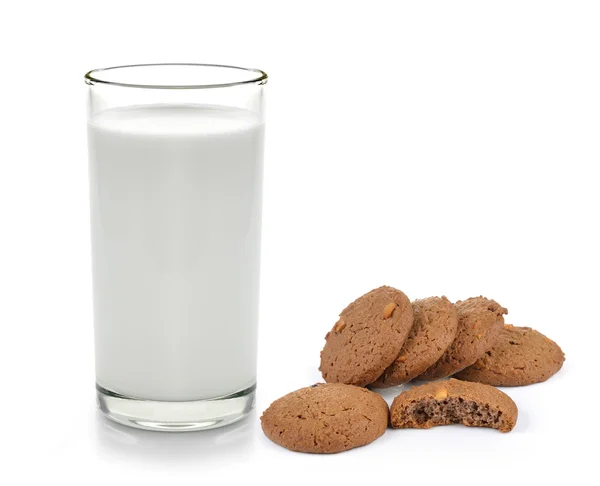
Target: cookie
[(520, 356), (434, 330), (326, 418), (367, 337), (480, 323), (453, 402)]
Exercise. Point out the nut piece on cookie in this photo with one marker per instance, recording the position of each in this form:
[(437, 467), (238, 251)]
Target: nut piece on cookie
[(388, 310), (339, 326), (520, 356), (367, 338), (326, 418), (453, 402)]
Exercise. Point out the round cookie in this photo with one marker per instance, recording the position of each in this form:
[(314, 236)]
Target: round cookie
[(480, 322), (453, 402), (434, 330), (367, 337), (520, 356), (326, 418)]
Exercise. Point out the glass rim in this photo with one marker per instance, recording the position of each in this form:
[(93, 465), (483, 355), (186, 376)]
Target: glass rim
[(260, 78)]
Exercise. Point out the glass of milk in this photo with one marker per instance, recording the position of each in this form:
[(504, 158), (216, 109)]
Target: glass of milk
[(175, 160)]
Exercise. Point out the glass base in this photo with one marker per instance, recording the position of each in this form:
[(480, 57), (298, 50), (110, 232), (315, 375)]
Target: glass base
[(176, 416)]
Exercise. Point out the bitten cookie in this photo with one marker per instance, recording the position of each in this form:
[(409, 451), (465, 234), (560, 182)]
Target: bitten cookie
[(326, 418), (480, 322), (434, 330), (520, 356), (453, 402), (367, 337)]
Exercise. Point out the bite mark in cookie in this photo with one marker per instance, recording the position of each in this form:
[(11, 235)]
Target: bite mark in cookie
[(453, 402)]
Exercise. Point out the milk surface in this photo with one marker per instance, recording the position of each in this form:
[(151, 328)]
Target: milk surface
[(176, 211)]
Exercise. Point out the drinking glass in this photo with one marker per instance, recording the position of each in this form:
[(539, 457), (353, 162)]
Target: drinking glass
[(175, 164)]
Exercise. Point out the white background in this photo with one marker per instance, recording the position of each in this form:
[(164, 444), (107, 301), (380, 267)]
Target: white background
[(439, 147)]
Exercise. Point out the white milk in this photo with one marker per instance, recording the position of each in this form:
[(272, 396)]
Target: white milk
[(176, 213)]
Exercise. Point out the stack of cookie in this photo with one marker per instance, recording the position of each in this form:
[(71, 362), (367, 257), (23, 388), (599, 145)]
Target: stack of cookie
[(383, 340)]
